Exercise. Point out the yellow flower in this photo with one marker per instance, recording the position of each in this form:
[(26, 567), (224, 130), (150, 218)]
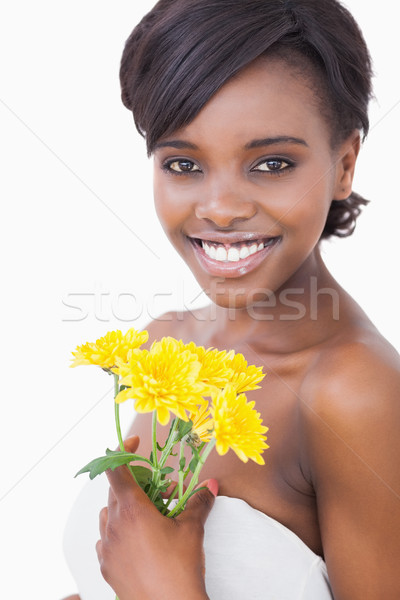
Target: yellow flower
[(245, 378), (237, 425), (216, 368), (202, 425), (164, 378), (114, 347)]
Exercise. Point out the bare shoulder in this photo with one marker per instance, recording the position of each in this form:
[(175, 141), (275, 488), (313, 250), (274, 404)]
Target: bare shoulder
[(352, 376), (350, 399), (350, 408)]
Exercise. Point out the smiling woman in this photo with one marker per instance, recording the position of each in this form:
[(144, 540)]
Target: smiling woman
[(244, 189), (338, 70), (254, 113)]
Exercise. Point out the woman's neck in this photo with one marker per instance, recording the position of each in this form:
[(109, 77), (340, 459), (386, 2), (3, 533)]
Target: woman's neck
[(303, 312)]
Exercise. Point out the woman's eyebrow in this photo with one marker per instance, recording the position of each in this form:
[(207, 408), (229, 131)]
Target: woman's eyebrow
[(178, 144), (270, 141)]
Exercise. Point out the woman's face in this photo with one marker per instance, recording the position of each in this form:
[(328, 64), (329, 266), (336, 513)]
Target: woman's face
[(244, 190)]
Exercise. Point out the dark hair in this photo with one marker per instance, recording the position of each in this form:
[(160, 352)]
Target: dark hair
[(183, 51)]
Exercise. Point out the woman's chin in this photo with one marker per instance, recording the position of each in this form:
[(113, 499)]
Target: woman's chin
[(240, 299)]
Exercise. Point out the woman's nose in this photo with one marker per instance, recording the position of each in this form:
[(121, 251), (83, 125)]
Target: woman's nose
[(223, 203)]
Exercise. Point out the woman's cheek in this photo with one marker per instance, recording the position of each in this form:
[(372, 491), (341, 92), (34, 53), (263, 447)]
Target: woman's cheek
[(305, 210)]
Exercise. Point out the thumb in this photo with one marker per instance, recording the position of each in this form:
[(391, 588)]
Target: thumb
[(200, 504)]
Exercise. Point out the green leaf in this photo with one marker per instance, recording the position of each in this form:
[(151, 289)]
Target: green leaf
[(123, 387), (193, 463), (183, 428), (166, 470), (163, 486), (159, 503), (160, 448), (182, 463), (171, 427), (195, 452), (142, 475), (112, 460)]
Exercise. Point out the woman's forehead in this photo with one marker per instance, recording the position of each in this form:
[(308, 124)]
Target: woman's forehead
[(266, 99)]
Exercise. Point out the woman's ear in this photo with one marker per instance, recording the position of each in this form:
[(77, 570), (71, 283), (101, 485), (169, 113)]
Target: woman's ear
[(345, 165)]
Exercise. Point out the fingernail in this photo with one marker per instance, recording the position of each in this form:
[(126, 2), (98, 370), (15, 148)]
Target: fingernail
[(212, 485)]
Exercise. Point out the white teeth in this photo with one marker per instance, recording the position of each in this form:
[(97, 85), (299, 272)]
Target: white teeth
[(233, 255), (244, 252), (221, 254)]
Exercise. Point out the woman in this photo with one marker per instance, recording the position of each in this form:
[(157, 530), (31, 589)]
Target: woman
[(254, 113)]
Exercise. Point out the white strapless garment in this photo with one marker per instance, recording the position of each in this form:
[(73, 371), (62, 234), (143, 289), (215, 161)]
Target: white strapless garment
[(249, 556)]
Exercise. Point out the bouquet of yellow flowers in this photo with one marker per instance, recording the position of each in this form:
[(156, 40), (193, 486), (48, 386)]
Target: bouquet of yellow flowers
[(201, 388)]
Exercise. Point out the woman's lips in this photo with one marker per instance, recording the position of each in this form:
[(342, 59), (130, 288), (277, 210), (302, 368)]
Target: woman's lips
[(232, 259)]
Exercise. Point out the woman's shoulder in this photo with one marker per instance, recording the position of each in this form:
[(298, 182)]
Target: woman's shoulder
[(350, 414), (353, 367), (351, 361), (352, 390)]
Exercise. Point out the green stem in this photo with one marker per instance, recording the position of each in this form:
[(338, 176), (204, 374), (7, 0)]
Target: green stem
[(184, 474), (169, 444), (180, 476), (159, 464), (118, 426), (195, 478), (154, 437), (118, 423), (187, 471), (172, 496), (116, 413), (155, 478)]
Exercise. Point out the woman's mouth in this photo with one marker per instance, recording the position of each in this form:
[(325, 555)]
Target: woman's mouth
[(233, 252), (232, 259)]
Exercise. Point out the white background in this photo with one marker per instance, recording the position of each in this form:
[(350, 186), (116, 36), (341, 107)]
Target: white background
[(76, 201)]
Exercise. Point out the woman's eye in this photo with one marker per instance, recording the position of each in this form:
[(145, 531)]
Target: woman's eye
[(182, 166), (273, 165)]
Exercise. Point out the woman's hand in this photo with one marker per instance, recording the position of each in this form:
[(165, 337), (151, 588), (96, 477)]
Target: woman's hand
[(144, 555)]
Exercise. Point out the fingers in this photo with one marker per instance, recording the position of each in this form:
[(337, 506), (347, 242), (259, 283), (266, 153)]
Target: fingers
[(121, 480), (103, 517), (200, 504), (125, 492), (98, 551)]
